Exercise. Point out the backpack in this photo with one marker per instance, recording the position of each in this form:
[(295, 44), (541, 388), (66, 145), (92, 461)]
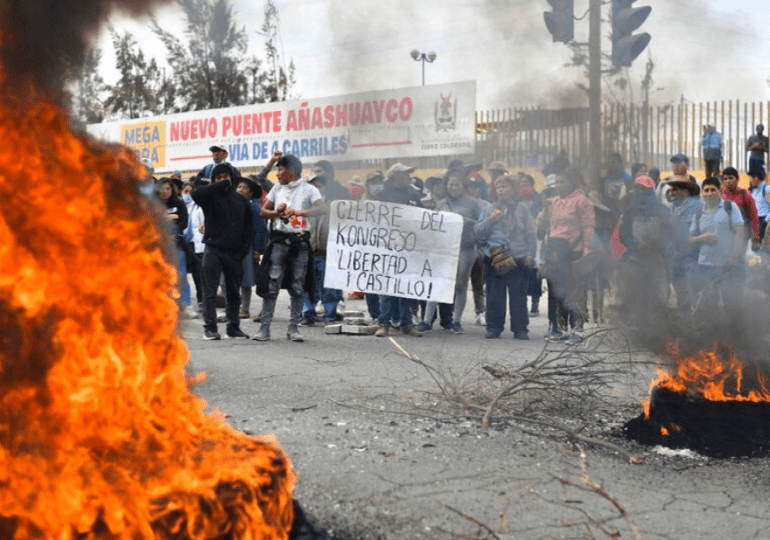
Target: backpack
[(728, 210)]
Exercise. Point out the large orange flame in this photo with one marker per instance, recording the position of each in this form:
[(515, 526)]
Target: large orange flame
[(711, 375), (100, 437)]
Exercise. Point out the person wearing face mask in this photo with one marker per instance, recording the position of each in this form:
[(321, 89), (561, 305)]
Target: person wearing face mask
[(228, 237), (251, 191), (193, 261), (718, 232), (176, 212)]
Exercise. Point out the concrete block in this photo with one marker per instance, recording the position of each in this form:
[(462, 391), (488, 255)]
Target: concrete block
[(359, 330), (333, 329)]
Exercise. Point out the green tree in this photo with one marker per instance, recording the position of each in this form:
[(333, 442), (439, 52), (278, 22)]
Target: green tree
[(209, 70), (277, 82), (133, 96), (88, 90)]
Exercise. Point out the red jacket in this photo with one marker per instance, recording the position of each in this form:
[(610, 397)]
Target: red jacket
[(748, 207)]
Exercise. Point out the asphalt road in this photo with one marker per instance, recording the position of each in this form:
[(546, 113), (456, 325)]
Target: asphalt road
[(378, 456)]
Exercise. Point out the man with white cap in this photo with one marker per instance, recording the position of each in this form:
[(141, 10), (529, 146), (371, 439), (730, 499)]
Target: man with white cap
[(711, 150), (218, 155)]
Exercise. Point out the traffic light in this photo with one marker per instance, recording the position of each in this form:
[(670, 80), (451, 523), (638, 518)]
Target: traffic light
[(560, 22), (625, 19)]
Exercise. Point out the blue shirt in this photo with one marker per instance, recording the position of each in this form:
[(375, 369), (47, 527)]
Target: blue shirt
[(759, 197), (711, 145), (716, 222)]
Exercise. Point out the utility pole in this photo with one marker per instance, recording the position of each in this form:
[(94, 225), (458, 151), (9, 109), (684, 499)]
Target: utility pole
[(594, 92)]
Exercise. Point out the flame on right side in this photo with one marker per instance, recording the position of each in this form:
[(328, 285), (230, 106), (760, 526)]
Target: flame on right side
[(716, 375)]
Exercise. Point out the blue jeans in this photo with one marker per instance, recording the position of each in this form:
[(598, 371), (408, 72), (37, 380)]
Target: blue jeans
[(373, 305), (183, 284), (512, 284), (283, 259), (328, 297), (392, 307)]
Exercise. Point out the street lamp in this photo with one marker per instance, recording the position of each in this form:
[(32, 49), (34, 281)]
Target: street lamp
[(421, 56)]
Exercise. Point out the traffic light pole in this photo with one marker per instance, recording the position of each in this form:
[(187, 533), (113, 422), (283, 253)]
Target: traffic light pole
[(594, 92)]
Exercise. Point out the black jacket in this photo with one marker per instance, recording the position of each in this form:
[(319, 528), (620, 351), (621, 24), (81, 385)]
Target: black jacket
[(228, 218), (178, 208)]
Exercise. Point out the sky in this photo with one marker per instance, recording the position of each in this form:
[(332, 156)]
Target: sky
[(703, 50)]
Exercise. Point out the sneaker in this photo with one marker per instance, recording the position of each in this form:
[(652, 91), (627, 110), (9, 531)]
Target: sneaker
[(554, 334), (211, 335), (480, 319), (222, 319), (331, 322), (424, 327), (382, 331), (534, 313), (411, 331), (294, 335), (189, 313), (524, 336), (262, 335), (243, 315), (457, 328), (574, 338), (304, 321), (258, 318), (491, 334), (237, 334)]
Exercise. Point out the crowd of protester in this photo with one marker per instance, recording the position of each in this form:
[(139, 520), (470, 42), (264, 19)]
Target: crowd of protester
[(684, 243)]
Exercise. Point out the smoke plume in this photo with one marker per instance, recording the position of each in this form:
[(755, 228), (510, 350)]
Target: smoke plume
[(41, 40)]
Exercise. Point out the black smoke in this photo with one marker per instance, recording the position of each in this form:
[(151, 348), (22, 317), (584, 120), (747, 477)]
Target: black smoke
[(43, 40)]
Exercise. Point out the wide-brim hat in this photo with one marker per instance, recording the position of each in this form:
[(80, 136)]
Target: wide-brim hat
[(689, 185), (256, 189), (498, 166)]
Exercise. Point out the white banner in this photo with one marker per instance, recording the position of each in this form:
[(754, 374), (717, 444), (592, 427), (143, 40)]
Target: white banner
[(411, 122), (393, 249)]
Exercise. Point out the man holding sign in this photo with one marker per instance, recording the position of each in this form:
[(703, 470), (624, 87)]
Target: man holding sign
[(393, 249), (398, 189)]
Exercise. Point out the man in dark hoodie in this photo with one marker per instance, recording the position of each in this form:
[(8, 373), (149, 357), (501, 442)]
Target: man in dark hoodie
[(334, 190), (228, 237)]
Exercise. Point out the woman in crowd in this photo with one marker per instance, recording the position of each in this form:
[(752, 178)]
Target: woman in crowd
[(253, 193), (570, 218), (176, 212), (458, 202), (506, 233)]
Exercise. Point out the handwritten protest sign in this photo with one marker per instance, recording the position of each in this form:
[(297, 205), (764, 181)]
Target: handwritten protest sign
[(393, 249)]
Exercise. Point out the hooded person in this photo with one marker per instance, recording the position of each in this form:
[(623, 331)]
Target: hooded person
[(334, 190), (228, 238)]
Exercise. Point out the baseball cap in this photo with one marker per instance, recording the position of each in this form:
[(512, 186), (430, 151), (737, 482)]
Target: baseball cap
[(399, 167), (217, 146), (644, 180), (679, 158)]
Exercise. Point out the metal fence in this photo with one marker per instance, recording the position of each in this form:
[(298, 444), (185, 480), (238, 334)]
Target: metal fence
[(531, 138)]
